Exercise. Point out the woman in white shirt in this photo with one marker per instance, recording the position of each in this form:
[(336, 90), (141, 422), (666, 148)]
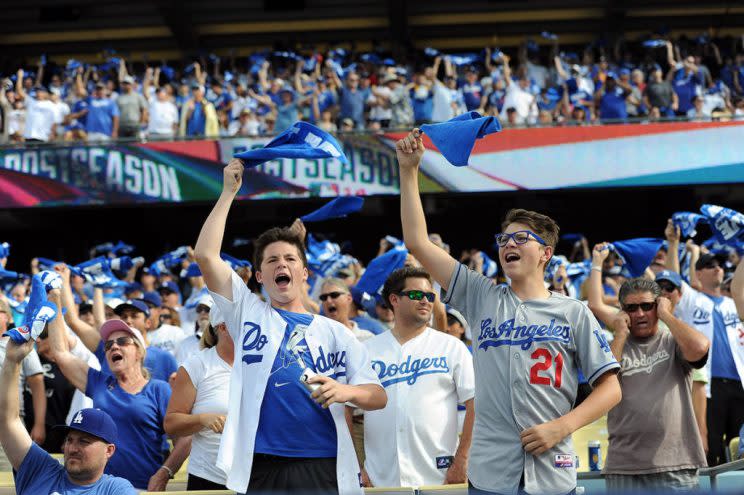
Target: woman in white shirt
[(198, 404)]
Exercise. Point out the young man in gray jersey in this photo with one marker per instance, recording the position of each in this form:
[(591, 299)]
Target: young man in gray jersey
[(528, 344)]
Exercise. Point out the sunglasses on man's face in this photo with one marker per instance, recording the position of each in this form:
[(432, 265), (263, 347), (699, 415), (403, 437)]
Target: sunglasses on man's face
[(417, 295), (121, 342), (332, 295), (201, 309), (645, 306)]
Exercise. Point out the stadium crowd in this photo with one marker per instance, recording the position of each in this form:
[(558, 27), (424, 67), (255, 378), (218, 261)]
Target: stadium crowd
[(152, 348), (339, 90)]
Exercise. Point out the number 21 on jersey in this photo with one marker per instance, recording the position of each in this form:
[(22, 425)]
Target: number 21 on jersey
[(544, 362)]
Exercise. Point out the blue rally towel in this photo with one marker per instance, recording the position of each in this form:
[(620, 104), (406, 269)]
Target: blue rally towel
[(727, 225), (47, 264), (4, 250), (378, 270), (490, 268), (687, 222), (302, 140), (7, 274), (552, 267), (98, 272), (235, 263), (637, 254), (192, 270), (336, 208), (456, 138), (38, 312)]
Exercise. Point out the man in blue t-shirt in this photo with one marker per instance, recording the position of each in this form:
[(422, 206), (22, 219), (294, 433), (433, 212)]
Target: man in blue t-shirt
[(102, 120), (472, 90), (687, 82), (90, 443)]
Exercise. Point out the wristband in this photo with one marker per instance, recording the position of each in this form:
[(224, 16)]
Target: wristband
[(597, 269), (170, 471)]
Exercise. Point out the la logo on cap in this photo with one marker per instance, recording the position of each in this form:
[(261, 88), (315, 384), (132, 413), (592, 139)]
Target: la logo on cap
[(78, 418)]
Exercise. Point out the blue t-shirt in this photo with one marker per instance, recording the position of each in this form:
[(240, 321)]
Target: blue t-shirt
[(79, 106), (472, 94), (221, 101), (139, 420), (101, 111), (197, 122), (291, 423), (370, 324), (686, 87), (612, 105), (722, 360), (422, 101), (286, 115), (352, 104), (41, 474), (160, 363)]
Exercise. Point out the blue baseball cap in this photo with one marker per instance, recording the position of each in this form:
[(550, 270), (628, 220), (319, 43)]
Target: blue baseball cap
[(137, 304), (169, 286), (133, 287), (153, 298), (93, 422), (670, 276)]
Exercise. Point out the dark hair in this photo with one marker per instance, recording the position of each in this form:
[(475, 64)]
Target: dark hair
[(277, 234), (636, 285), (397, 281), (542, 225)]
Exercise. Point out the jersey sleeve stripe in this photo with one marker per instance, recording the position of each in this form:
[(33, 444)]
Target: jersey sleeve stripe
[(595, 374), (451, 288)]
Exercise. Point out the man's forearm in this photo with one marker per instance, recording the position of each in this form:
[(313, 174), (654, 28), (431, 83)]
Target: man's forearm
[(411, 209), (693, 344), (369, 397), (9, 405), (466, 438), (672, 257), (618, 344), (606, 395), (38, 399)]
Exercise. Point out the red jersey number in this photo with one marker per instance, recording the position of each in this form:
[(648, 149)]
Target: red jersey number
[(543, 364)]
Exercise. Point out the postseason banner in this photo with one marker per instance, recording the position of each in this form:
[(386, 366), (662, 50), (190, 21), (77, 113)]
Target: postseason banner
[(515, 159)]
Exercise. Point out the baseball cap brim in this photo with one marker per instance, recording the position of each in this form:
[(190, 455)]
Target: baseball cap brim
[(112, 326)]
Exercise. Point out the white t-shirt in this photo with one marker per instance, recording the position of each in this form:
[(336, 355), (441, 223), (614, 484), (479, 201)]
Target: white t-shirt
[(377, 113), (166, 337), (522, 101), (187, 348), (442, 103), (538, 73), (411, 442), (163, 116), (40, 117), (210, 375)]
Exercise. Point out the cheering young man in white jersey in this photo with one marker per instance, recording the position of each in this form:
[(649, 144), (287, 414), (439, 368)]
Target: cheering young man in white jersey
[(426, 374), (528, 344), (279, 437)]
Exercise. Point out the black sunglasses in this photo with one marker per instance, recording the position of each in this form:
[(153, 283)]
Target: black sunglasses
[(121, 342), (332, 295), (632, 308), (417, 295), (202, 309)]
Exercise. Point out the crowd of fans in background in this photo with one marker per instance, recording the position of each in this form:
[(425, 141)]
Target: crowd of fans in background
[(697, 79)]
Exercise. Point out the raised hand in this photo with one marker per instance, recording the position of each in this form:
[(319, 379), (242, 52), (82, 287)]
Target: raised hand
[(233, 176), (409, 150)]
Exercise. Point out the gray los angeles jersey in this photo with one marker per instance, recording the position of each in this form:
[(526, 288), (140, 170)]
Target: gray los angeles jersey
[(526, 359)]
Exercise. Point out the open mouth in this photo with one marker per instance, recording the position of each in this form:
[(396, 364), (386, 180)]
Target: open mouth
[(282, 280), (511, 257), (331, 310), (115, 358)]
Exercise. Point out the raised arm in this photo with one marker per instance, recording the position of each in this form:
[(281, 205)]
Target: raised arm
[(15, 439), (604, 312), (694, 250), (215, 271), (672, 234), (559, 68), (670, 54), (434, 259), (88, 334), (74, 368)]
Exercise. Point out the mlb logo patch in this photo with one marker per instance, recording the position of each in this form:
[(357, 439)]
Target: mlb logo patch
[(564, 461), (444, 461)]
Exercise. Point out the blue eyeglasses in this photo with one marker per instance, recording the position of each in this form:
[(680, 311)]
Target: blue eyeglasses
[(520, 237)]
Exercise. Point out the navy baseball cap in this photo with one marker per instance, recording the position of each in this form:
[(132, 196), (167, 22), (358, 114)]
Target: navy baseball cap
[(670, 276), (706, 260), (93, 422), (169, 286), (153, 298), (137, 304), (133, 287)]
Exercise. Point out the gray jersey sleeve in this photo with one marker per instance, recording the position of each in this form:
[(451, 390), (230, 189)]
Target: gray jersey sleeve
[(593, 351), (467, 291)]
